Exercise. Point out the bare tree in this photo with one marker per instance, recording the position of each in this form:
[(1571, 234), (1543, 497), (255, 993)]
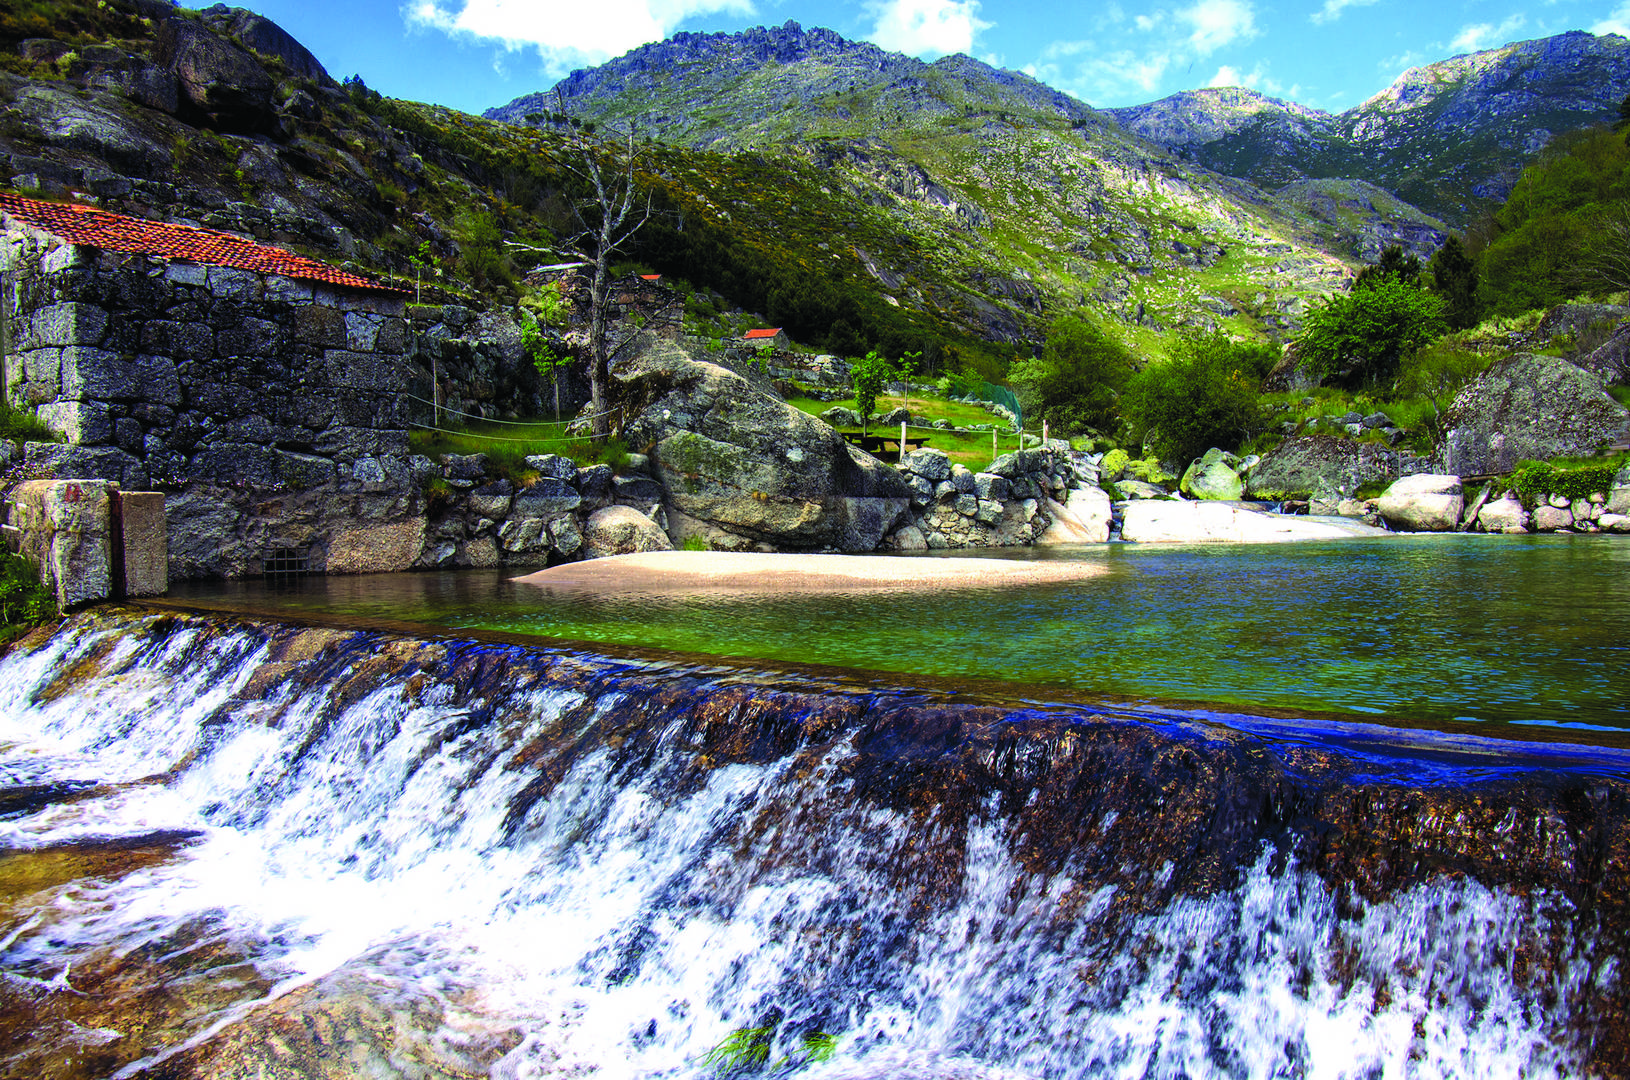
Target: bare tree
[(1604, 253), (607, 220)]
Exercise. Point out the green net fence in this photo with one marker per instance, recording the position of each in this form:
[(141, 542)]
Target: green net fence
[(1001, 395)]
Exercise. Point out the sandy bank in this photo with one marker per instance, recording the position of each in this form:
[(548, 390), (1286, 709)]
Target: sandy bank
[(752, 572)]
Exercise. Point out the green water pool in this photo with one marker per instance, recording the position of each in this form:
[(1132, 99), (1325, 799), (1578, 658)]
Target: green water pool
[(1494, 631)]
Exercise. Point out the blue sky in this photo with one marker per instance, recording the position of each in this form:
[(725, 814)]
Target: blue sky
[(1330, 54)]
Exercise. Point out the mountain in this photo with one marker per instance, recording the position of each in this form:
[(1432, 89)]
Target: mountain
[(1006, 200), (1449, 137)]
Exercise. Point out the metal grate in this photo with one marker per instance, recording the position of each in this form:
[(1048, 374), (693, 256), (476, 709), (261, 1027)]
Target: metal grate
[(283, 563)]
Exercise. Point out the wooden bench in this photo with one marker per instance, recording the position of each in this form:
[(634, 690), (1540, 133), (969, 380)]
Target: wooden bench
[(877, 445)]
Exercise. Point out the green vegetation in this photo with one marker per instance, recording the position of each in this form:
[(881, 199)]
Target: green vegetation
[(1204, 396), (1454, 277), (23, 425), (868, 375), (1361, 338), (1076, 382), (1556, 235), (1533, 480), (747, 1049), (25, 602), (508, 445)]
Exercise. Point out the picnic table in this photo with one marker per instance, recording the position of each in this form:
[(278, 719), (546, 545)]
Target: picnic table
[(878, 444)]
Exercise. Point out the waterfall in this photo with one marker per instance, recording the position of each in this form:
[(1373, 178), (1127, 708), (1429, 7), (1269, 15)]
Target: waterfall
[(236, 845)]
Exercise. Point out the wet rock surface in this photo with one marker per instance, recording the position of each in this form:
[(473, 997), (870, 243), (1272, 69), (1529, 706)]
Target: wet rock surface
[(1111, 818)]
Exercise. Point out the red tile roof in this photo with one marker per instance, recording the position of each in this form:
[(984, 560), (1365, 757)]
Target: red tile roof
[(762, 333), (188, 243)]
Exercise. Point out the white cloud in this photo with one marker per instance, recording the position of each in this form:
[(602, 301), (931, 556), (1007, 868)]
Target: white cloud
[(1135, 62), (565, 35), (1256, 79), (1616, 23), (1479, 36), (926, 27), (1216, 23), (1333, 8)]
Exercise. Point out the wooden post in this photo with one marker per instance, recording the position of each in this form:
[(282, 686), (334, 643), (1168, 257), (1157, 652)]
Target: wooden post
[(995, 452), (902, 440), (1044, 434)]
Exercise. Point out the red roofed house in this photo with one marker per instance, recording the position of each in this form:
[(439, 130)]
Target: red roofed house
[(268, 393), (774, 336)]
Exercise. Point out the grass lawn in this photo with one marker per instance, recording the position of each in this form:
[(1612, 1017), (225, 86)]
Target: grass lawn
[(972, 449), (508, 445)]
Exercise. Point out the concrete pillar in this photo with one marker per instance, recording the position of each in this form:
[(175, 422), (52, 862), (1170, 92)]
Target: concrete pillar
[(90, 540), (141, 553)]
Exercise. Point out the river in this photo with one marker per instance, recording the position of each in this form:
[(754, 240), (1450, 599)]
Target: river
[(278, 844)]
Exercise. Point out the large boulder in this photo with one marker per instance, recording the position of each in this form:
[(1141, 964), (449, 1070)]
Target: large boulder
[(750, 465), (622, 530), (1505, 514), (1427, 502), (1529, 407), (218, 79), (1309, 465), (1082, 518), (1213, 477), (1291, 373)]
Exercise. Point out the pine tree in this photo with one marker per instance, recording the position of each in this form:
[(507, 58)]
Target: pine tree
[(1454, 277)]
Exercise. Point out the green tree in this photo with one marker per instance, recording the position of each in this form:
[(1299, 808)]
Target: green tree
[(868, 375), (1393, 265), (1624, 115), (1076, 382), (1454, 278), (1204, 395), (545, 358), (424, 265), (1533, 255), (1360, 338)]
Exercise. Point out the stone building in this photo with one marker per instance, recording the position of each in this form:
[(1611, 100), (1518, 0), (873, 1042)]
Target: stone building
[(269, 394)]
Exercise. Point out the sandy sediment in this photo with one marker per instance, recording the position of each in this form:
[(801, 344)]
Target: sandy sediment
[(754, 572)]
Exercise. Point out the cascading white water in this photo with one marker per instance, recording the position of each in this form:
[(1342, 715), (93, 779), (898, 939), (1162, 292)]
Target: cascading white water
[(639, 913)]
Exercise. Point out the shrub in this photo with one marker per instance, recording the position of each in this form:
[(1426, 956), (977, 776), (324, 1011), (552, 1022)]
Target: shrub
[(23, 424), (25, 602), (1362, 337), (1204, 396), (1532, 480), (1077, 380)]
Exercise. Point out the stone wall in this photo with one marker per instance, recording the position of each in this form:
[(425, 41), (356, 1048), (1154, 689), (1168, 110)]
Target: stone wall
[(1012, 503)]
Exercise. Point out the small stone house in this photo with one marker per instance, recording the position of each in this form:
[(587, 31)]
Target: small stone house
[(269, 394), (774, 336)]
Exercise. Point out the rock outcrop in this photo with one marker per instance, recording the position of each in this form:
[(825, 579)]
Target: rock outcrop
[(1318, 464), (1170, 521), (1529, 407), (749, 469)]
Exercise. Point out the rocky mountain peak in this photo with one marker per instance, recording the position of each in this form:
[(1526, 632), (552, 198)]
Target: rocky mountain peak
[(1201, 116)]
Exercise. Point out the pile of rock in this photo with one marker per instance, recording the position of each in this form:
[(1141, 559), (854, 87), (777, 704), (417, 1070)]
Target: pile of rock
[(1437, 503), (1021, 498), (566, 513)]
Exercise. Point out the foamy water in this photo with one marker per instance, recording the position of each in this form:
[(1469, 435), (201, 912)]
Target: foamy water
[(636, 914)]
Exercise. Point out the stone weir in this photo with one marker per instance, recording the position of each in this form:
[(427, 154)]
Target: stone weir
[(245, 847)]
